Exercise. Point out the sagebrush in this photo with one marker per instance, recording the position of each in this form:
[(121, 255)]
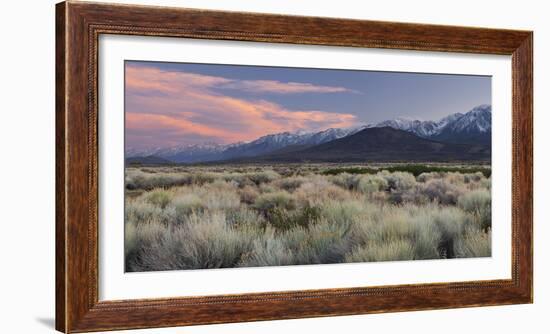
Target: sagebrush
[(240, 216)]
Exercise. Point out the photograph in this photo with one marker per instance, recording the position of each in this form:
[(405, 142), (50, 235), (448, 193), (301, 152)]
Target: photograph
[(232, 166)]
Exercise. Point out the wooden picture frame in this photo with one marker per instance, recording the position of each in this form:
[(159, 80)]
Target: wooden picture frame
[(78, 26)]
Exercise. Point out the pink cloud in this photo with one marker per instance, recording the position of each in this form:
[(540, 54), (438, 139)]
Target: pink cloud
[(278, 87), (178, 105)]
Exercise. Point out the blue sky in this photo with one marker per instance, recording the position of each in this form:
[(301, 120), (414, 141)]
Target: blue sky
[(169, 104)]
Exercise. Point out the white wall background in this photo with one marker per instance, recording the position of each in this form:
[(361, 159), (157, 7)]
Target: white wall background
[(27, 71)]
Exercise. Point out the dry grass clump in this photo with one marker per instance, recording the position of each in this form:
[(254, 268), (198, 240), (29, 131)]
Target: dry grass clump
[(214, 217)]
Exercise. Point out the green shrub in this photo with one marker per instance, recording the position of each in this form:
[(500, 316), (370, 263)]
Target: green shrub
[(352, 170)]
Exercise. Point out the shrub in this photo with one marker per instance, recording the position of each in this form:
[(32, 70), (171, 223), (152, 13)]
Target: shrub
[(450, 222), (343, 214), (478, 202), (205, 241), (426, 176), (290, 183), (282, 219), (474, 243), (189, 217), (248, 194), (352, 170), (265, 176), (244, 217), (426, 240), (240, 179), (280, 199), (140, 211), (398, 180), (395, 250), (187, 204), (268, 251), (136, 179), (473, 177), (485, 183), (346, 181), (324, 242), (222, 199), (130, 240), (441, 191), (202, 178), (369, 184), (159, 197), (317, 191)]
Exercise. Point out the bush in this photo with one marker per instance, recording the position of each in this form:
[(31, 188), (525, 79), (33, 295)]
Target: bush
[(186, 204), (280, 199), (159, 197), (474, 243), (268, 251), (317, 191), (346, 181), (248, 194), (244, 217), (478, 202), (442, 192), (205, 241), (395, 250), (322, 243), (398, 181), (369, 184), (221, 199), (290, 183), (266, 176), (426, 237), (451, 223), (282, 219), (191, 217)]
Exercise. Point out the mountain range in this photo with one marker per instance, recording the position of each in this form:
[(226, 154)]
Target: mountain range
[(455, 137)]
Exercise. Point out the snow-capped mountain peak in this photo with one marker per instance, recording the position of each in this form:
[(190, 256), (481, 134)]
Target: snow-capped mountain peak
[(471, 127), (477, 120)]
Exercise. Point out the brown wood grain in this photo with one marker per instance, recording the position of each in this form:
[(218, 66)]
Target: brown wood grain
[(78, 26)]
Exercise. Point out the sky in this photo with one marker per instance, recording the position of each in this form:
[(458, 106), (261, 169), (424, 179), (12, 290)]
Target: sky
[(174, 104)]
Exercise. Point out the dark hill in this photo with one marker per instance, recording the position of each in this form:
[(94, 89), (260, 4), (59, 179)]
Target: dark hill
[(383, 144), (148, 160)]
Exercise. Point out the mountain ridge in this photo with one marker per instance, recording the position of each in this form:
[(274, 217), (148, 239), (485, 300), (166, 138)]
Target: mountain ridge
[(472, 127), (377, 144)]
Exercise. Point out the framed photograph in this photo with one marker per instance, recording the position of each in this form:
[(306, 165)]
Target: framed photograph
[(223, 167)]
